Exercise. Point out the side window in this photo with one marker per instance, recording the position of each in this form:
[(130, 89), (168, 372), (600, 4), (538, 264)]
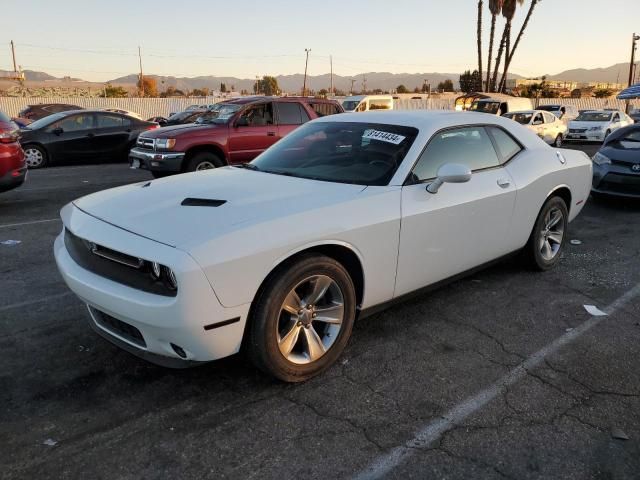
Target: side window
[(76, 123), (290, 113), (109, 121), (258, 115), (470, 146), (538, 120), (616, 118), (379, 105), (324, 109), (362, 107), (507, 146), (549, 117)]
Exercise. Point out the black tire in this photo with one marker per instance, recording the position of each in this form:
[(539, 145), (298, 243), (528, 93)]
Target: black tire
[(532, 253), (203, 161), (43, 154), (262, 336), (160, 174), (606, 134), (558, 141)]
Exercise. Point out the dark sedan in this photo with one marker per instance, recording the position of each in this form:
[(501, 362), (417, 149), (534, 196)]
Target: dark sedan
[(41, 110), (81, 134), (616, 166)]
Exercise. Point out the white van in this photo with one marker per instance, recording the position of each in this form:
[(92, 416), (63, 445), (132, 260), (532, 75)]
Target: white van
[(362, 103), (501, 104), (566, 113)]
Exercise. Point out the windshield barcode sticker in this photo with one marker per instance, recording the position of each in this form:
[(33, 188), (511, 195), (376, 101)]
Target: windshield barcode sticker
[(384, 136)]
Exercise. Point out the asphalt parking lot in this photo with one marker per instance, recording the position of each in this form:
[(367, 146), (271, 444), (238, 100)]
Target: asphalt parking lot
[(500, 375)]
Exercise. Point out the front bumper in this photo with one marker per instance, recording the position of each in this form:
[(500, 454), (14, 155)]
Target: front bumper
[(13, 179), (156, 161), (615, 180), (596, 136), (159, 323)]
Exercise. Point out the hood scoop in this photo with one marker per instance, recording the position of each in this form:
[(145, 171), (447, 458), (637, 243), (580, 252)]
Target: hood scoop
[(202, 202)]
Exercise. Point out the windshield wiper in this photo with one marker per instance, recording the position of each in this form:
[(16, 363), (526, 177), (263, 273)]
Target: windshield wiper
[(248, 166)]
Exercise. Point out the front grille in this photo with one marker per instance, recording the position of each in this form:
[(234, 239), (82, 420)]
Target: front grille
[(145, 142), (577, 130), (119, 328), (117, 266)]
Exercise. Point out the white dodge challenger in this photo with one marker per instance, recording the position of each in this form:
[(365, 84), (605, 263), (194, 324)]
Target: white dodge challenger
[(344, 216)]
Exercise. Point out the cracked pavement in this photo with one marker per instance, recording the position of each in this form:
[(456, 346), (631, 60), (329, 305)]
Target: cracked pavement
[(112, 415)]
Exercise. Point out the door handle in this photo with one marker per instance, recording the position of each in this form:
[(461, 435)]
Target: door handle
[(271, 134), (503, 182)]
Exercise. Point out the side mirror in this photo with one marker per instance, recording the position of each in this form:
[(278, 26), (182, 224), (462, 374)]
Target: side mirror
[(242, 122), (57, 131), (450, 173)]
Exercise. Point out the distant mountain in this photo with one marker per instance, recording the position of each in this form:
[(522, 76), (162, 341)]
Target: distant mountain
[(618, 73), (33, 76)]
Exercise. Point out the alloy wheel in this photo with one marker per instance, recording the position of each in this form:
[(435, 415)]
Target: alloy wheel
[(204, 166), (310, 319), (552, 234), (33, 157)]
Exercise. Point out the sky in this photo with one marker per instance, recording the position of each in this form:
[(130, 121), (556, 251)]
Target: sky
[(98, 40)]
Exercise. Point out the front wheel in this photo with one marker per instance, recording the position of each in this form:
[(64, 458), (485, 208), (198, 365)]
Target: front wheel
[(203, 161), (302, 318), (548, 237)]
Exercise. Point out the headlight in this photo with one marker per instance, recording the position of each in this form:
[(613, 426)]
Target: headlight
[(165, 143), (595, 129), (600, 159)]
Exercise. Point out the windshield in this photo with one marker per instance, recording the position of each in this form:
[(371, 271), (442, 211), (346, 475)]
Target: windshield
[(342, 152), (523, 118), (631, 140), (350, 104), (594, 117), (486, 107), (220, 113), (43, 122)]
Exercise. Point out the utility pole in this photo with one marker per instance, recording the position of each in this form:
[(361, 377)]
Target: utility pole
[(331, 64), (13, 54), (141, 75), (306, 64), (634, 39), (17, 70), (353, 81)]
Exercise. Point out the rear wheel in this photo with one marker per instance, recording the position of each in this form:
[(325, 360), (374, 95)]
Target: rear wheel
[(35, 156), (558, 141), (302, 318), (204, 161), (548, 237)]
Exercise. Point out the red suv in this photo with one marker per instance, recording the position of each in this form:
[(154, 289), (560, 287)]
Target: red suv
[(13, 169), (234, 131)]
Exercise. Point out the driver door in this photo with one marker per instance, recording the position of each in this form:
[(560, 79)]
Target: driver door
[(72, 137), (463, 225), (252, 133)]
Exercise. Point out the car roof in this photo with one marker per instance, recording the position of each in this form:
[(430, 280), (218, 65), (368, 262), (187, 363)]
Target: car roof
[(527, 111)]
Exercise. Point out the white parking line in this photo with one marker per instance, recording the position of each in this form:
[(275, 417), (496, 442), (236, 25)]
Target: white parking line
[(431, 432), (9, 225), (33, 302)]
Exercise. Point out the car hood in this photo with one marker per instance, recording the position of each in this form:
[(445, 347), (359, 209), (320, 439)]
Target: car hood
[(630, 156), (155, 210), (177, 130), (577, 124)]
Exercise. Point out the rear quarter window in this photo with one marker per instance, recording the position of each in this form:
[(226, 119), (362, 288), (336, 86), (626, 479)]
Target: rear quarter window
[(324, 109)]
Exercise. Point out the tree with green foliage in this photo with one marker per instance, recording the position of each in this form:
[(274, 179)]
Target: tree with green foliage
[(402, 89), (199, 92), (470, 82), (114, 92), (447, 85), (267, 86), (603, 93), (223, 88)]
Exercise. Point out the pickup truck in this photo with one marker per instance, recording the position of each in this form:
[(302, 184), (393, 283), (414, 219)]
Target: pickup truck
[(237, 132)]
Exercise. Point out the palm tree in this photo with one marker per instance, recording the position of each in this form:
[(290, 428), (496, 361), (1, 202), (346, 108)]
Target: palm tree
[(507, 5), (495, 7), (479, 38), (509, 57)]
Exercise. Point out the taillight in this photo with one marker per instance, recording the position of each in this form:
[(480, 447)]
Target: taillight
[(152, 127), (9, 137)]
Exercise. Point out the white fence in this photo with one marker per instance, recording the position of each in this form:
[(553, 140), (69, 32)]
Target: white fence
[(146, 107), (151, 107)]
